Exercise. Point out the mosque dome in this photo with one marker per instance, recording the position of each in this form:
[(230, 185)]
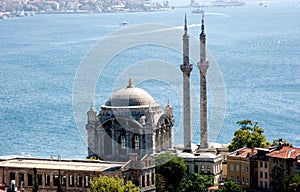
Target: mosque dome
[(130, 96)]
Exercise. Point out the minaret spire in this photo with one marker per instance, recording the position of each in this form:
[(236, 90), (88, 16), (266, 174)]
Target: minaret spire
[(185, 24), (202, 42), (186, 69), (203, 66)]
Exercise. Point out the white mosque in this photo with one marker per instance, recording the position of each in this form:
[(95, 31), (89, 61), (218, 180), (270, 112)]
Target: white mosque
[(132, 122)]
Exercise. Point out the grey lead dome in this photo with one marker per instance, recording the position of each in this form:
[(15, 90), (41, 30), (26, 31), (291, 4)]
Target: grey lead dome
[(130, 96)]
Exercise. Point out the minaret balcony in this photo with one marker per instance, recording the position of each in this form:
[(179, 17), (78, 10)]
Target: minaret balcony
[(186, 68), (203, 66)]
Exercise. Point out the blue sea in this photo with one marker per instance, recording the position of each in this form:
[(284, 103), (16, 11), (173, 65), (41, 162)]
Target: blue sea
[(256, 50)]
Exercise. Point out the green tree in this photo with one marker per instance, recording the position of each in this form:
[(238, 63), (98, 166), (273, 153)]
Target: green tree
[(111, 184), (276, 183), (172, 169), (230, 186), (249, 135), (196, 183), (291, 183), (160, 183)]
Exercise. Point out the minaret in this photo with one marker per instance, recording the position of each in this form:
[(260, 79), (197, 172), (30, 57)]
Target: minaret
[(186, 69), (203, 66)]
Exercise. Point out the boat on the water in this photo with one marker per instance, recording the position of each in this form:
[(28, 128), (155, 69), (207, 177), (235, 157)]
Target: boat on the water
[(123, 23), (3, 17), (20, 13)]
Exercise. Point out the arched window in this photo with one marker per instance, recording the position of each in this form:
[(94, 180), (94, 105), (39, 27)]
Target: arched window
[(208, 169), (136, 142), (202, 168), (122, 144)]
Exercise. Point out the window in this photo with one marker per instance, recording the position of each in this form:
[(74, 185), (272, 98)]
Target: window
[(237, 179), (56, 180), (231, 167), (266, 164), (87, 181), (261, 174), (243, 180), (30, 179), (261, 164), (261, 184), (79, 181), (148, 180), (266, 184), (40, 179), (12, 176), (242, 168), (71, 181), (266, 175), (136, 142), (208, 169), (247, 169), (63, 180), (237, 168), (143, 181), (123, 142), (152, 178), (247, 181), (187, 169), (21, 179), (196, 168), (47, 180), (202, 168)]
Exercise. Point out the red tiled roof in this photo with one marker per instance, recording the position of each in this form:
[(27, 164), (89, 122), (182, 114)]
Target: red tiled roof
[(286, 152), (243, 152)]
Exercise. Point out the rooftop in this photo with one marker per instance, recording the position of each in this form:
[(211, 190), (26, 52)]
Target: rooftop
[(59, 164), (130, 96), (243, 152), (286, 152)]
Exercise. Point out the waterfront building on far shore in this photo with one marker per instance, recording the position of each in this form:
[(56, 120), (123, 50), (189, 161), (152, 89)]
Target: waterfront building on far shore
[(50, 175)]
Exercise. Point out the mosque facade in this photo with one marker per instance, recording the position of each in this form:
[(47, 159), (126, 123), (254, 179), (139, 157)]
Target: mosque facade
[(132, 122), (129, 122)]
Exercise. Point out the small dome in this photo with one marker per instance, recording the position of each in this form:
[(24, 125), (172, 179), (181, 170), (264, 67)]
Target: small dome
[(130, 96)]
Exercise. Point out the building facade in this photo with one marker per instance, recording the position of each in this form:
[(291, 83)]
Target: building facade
[(51, 175), (238, 166), (260, 169), (129, 122), (283, 162)]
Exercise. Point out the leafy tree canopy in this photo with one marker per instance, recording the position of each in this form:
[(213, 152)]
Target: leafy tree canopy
[(230, 186), (171, 175), (249, 135), (111, 184), (171, 170), (291, 183), (196, 183)]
